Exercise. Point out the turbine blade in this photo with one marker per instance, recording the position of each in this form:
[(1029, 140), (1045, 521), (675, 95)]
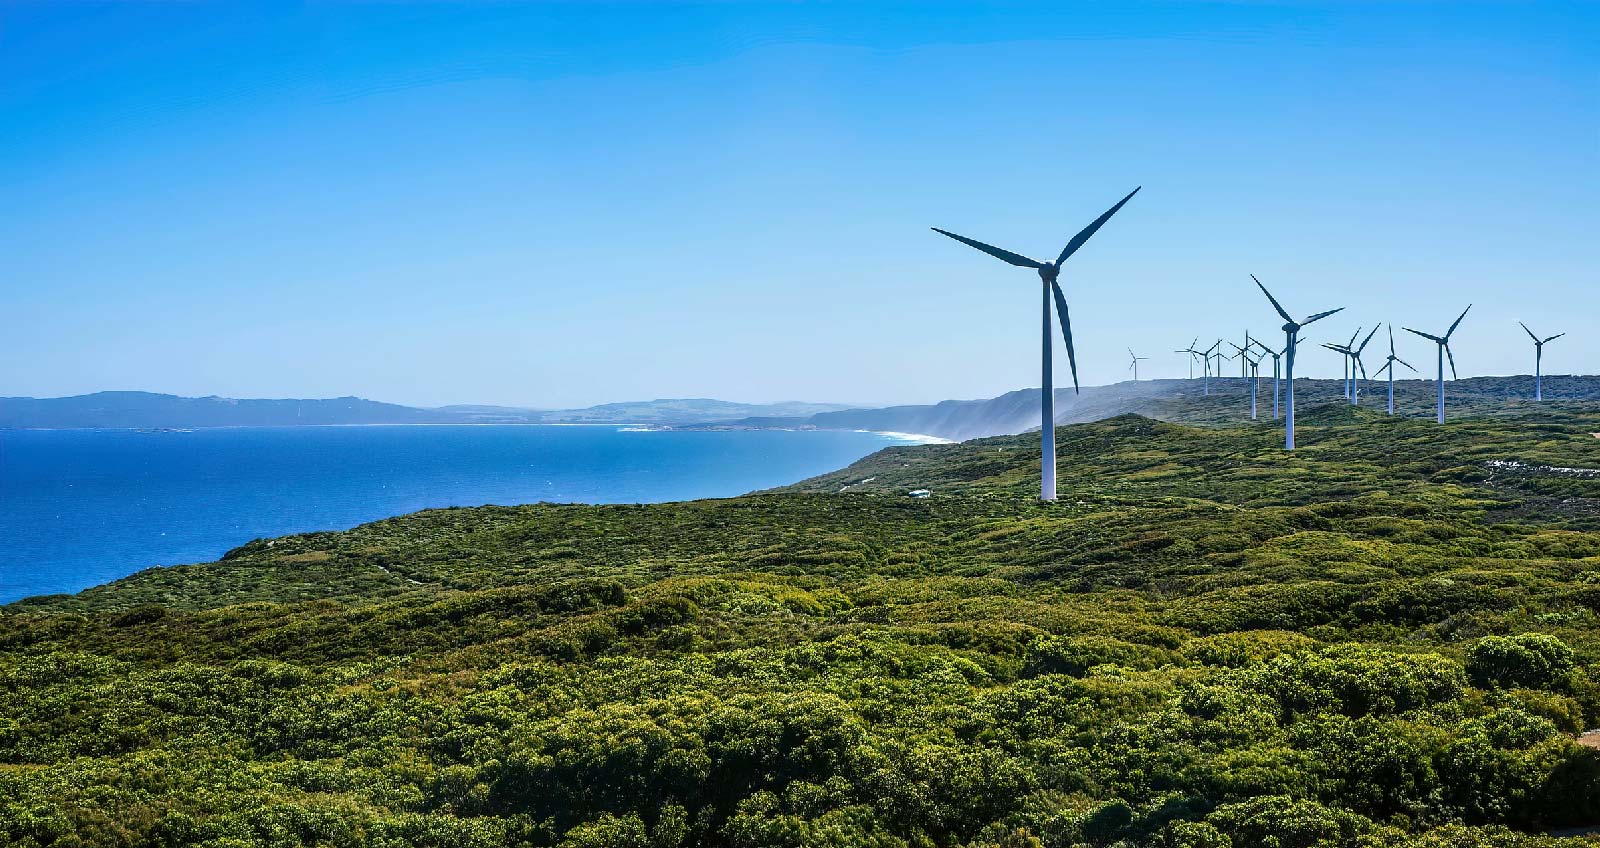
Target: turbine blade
[(1083, 236), (1320, 315), (1066, 331), (1362, 366), (1386, 366), (1452, 360), (1530, 333), (1391, 340), (1429, 336), (999, 253), (1275, 304), (1367, 339), (1403, 362), (1458, 321), (1553, 338)]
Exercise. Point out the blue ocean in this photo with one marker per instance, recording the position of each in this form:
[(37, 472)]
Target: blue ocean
[(82, 507)]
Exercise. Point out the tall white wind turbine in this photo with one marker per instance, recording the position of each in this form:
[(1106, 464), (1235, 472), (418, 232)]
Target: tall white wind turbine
[(1538, 360), (1444, 350), (1048, 273), (1291, 334)]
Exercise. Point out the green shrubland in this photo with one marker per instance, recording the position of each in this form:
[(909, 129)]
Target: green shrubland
[(1386, 638)]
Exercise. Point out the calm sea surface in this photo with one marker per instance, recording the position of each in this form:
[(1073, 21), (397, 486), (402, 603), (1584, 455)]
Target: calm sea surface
[(81, 507)]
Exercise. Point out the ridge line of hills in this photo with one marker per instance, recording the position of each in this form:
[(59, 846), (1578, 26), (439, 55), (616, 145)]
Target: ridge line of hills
[(1176, 400)]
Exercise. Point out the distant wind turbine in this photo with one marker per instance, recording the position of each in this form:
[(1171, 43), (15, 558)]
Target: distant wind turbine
[(1207, 356), (1218, 355), (1276, 355), (1345, 369), (1291, 334), (1135, 364), (1388, 365), (1243, 355), (1048, 274), (1353, 355), (1538, 360), (1444, 350), (1193, 355)]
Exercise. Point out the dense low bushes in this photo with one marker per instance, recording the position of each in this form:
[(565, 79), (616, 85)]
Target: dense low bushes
[(1244, 649)]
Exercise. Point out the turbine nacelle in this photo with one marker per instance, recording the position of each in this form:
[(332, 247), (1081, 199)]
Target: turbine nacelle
[(1049, 271)]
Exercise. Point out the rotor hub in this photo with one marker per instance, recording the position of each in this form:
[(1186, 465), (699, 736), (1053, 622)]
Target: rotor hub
[(1049, 271)]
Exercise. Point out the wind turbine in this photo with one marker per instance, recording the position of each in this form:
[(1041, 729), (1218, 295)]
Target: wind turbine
[(1345, 370), (1291, 334), (1193, 355), (1388, 365), (1276, 355), (1135, 365), (1048, 274), (1355, 388), (1208, 354), (1538, 357), (1444, 350), (1353, 354), (1243, 356)]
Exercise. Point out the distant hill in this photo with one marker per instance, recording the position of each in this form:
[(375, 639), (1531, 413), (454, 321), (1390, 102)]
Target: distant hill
[(148, 409), (684, 411)]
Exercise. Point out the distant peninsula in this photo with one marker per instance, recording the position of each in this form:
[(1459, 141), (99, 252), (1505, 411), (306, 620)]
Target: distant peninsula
[(147, 410)]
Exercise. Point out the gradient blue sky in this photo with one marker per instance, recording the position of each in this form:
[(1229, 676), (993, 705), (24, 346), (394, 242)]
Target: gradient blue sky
[(567, 203)]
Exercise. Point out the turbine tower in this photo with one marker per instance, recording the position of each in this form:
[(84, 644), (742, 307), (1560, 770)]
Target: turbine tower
[(1048, 273), (1135, 364), (1291, 334), (1538, 360), (1444, 350), (1388, 365)]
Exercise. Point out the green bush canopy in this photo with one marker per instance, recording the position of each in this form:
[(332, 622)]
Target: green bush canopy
[(1385, 638)]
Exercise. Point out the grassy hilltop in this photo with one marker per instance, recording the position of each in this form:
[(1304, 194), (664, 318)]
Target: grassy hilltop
[(1386, 638)]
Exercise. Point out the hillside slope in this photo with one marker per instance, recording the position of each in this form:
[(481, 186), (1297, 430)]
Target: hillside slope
[(1385, 638)]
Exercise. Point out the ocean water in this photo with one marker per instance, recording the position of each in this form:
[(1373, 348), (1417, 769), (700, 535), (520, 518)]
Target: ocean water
[(82, 507)]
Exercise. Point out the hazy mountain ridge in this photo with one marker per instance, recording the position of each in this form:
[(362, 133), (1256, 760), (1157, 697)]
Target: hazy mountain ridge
[(1181, 401), (129, 409)]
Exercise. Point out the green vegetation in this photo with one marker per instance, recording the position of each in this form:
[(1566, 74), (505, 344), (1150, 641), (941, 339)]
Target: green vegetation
[(1386, 638)]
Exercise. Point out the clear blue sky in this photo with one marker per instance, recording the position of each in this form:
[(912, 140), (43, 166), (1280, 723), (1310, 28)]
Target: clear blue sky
[(567, 203)]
